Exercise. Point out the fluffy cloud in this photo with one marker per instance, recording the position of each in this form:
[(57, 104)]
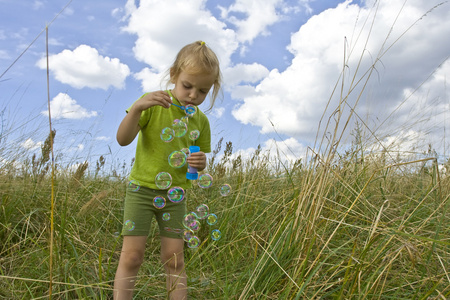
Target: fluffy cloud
[(29, 144), (287, 151), (241, 73), (259, 15), (85, 67), (404, 45), (161, 27), (64, 107)]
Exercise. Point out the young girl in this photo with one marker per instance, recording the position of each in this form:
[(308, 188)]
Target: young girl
[(194, 72)]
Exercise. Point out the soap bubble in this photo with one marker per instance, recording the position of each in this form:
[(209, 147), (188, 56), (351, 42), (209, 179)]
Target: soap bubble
[(205, 181), (167, 134), (129, 225), (225, 190), (194, 226), (185, 119), (193, 242), (216, 234), (187, 235), (163, 180), (177, 159), (190, 110), (194, 135), (189, 219), (175, 194), (134, 185), (166, 216), (179, 128), (159, 202), (211, 219), (202, 211), (186, 151)]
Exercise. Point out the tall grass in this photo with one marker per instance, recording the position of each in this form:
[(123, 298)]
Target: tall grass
[(353, 229), (342, 223)]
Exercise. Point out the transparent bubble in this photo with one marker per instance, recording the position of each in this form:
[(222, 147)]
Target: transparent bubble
[(194, 135), (167, 134), (175, 194), (190, 110), (163, 180), (194, 226), (185, 119), (177, 159), (186, 151), (166, 216), (129, 225), (187, 235), (211, 219), (116, 234), (134, 185), (202, 211), (179, 128), (216, 234), (193, 242), (225, 190), (159, 202), (205, 181), (189, 219)]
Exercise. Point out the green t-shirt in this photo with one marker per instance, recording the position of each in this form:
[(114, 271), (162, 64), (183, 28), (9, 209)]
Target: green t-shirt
[(152, 152)]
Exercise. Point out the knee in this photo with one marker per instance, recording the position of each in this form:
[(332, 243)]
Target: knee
[(132, 259), (173, 261)]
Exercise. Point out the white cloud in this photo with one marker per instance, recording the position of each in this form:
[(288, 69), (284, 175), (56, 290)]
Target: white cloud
[(85, 67), (64, 107), (259, 15), (218, 112), (163, 27), (150, 81), (293, 101), (29, 144), (37, 5), (287, 151), (4, 54), (244, 73), (102, 138)]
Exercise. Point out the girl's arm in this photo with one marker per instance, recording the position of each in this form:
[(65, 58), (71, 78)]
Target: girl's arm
[(129, 127)]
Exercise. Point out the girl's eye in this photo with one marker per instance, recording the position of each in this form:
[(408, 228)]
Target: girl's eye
[(186, 86)]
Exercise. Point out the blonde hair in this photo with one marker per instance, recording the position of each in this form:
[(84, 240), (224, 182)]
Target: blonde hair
[(197, 58)]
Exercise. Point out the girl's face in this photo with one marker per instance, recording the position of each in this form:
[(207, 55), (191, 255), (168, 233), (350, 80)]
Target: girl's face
[(192, 89)]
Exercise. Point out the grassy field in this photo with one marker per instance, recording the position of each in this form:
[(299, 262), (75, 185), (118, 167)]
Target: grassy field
[(339, 226), (345, 222)]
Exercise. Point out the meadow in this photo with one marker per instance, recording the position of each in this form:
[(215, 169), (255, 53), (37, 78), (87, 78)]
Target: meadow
[(343, 222), (342, 226)]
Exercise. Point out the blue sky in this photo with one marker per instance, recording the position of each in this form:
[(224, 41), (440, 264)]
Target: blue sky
[(280, 61)]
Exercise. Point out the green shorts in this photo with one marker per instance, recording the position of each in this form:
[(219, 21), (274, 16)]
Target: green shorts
[(139, 211)]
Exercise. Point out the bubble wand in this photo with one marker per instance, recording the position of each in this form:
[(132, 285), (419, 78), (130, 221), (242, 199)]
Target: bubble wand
[(180, 106), (189, 109)]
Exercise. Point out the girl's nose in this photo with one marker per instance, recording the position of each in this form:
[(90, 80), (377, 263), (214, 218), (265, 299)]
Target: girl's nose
[(193, 95)]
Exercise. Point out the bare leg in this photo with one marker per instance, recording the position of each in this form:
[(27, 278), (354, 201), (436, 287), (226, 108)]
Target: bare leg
[(130, 261), (172, 257)]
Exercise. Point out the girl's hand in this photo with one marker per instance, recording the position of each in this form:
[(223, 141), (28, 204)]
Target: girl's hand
[(197, 160), (161, 98)]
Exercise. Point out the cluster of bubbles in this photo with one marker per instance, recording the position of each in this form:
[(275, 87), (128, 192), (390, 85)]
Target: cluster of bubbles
[(179, 127), (163, 181), (192, 220), (192, 223)]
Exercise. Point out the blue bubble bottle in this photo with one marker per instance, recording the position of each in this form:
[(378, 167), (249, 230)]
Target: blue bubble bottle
[(192, 173)]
